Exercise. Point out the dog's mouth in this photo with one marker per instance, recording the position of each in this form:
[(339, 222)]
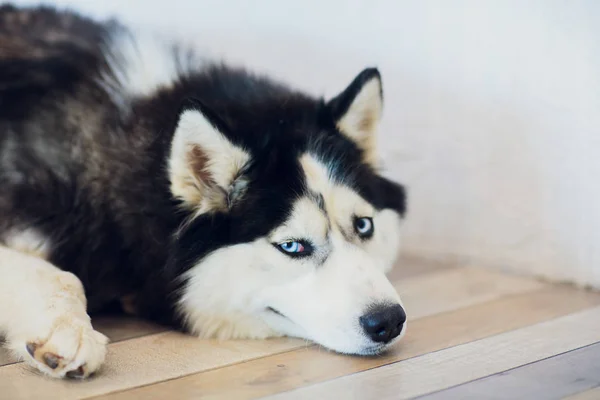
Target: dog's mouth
[(373, 350)]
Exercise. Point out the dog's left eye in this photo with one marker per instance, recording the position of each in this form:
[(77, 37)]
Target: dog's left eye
[(364, 227), (294, 248)]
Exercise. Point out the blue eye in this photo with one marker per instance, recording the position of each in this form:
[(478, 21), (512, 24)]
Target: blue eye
[(364, 227), (294, 248), (291, 247)]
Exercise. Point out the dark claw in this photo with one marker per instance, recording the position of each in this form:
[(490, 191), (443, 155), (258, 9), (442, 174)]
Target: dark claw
[(51, 360), (76, 373), (31, 348)]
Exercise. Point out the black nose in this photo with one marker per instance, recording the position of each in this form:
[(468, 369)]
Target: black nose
[(383, 322)]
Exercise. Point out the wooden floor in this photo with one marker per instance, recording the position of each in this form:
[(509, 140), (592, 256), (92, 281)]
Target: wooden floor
[(472, 334)]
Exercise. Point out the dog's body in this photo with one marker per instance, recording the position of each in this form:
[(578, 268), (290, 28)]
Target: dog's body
[(190, 192)]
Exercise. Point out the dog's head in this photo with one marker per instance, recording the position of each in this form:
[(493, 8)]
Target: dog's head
[(290, 229)]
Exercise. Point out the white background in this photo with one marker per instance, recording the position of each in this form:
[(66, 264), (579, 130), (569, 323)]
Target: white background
[(492, 112)]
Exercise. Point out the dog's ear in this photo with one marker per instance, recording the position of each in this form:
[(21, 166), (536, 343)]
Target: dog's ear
[(357, 111), (205, 167)]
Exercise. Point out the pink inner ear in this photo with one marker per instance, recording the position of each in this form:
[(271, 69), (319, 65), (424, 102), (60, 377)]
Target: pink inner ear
[(368, 122), (198, 161)]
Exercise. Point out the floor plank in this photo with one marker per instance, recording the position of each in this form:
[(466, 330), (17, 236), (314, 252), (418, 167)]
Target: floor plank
[(553, 378), (446, 368), (290, 370), (130, 364), (117, 328), (5, 356), (410, 266), (140, 361), (592, 394), (458, 288)]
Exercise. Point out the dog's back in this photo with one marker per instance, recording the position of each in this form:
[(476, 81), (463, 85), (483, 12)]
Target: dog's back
[(42, 53), (69, 173)]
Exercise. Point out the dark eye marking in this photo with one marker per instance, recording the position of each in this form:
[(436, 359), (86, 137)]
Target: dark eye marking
[(321, 203)]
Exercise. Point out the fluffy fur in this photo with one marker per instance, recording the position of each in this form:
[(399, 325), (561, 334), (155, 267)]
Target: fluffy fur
[(133, 169)]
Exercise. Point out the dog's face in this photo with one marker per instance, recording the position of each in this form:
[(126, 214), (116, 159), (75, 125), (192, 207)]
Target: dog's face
[(290, 229)]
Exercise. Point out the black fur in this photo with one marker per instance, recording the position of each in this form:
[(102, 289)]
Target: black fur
[(92, 176)]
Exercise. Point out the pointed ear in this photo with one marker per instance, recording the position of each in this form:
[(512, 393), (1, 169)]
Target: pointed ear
[(205, 167), (357, 111)]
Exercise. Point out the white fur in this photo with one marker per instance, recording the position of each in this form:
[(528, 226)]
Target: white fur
[(45, 307), (306, 221), (28, 241), (322, 297), (141, 62), (384, 247), (233, 310), (342, 202), (224, 161), (328, 300)]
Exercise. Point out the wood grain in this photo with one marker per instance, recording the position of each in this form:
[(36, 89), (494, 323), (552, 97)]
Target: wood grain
[(592, 394), (456, 365), (410, 266), (456, 288), (553, 378), (117, 328), (140, 361), (302, 367), (5, 356)]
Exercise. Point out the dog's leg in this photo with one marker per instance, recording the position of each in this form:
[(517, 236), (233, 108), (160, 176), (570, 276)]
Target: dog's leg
[(43, 316)]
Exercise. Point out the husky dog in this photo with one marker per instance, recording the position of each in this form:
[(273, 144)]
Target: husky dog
[(191, 193)]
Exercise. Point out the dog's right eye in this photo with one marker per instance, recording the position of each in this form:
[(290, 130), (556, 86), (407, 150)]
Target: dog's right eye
[(295, 248), (364, 227)]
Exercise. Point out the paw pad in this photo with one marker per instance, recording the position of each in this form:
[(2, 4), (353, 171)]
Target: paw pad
[(78, 373), (51, 360), (70, 351), (31, 348)]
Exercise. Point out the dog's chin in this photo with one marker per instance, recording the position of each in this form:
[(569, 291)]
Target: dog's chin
[(373, 349), (376, 349), (370, 349)]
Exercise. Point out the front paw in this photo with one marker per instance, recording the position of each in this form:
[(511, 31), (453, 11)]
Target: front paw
[(72, 349)]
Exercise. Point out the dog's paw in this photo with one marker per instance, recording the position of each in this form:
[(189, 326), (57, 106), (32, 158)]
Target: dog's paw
[(72, 349)]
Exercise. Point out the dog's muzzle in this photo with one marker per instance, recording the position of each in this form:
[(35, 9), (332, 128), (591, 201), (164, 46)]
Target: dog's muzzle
[(383, 322)]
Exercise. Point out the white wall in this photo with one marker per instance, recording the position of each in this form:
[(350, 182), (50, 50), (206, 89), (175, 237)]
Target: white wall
[(492, 109)]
